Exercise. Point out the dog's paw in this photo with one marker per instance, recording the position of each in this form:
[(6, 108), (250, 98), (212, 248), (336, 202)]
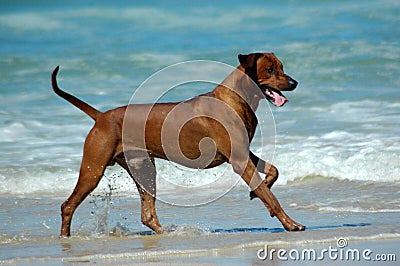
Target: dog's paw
[(253, 195)]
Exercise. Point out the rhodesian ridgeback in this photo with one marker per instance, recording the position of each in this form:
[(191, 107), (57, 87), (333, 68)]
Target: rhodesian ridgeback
[(132, 136)]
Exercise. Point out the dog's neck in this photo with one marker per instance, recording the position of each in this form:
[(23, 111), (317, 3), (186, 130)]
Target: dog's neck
[(239, 88), (243, 95)]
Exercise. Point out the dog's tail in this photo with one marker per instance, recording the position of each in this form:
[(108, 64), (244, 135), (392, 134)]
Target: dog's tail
[(89, 110)]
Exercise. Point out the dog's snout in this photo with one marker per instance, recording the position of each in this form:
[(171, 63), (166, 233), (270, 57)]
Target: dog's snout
[(292, 83)]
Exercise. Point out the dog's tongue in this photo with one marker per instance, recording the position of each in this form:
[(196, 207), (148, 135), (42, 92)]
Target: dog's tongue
[(277, 99)]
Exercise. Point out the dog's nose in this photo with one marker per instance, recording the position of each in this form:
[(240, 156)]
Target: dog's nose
[(292, 83)]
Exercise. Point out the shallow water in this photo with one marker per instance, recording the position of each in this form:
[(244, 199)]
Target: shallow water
[(107, 228), (337, 139)]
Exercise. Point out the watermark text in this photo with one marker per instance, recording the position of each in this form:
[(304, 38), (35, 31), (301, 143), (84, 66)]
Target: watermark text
[(340, 252)]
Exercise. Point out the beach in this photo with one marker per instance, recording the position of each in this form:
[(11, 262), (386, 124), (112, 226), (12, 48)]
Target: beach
[(231, 230), (335, 143)]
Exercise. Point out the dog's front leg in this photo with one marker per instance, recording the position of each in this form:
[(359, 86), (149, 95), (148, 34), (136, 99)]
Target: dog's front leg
[(266, 168), (249, 174)]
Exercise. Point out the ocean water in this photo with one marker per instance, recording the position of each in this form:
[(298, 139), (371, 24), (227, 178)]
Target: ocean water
[(337, 139)]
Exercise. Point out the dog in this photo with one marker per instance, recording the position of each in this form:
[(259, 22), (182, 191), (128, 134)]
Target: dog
[(132, 136)]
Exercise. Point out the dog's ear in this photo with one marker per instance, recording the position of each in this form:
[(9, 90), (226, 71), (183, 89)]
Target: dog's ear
[(248, 60)]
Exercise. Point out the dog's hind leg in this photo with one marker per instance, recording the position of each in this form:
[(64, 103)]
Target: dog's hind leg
[(149, 215), (99, 150), (143, 171)]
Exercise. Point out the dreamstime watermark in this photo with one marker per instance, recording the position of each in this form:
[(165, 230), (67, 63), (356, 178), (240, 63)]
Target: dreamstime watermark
[(339, 253), (183, 130)]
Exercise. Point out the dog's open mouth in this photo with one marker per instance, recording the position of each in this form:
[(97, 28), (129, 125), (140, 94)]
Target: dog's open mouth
[(273, 95)]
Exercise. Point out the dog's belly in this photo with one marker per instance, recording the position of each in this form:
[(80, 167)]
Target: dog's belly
[(216, 162), (189, 156), (161, 134)]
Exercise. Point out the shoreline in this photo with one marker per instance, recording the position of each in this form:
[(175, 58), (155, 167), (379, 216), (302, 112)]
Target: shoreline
[(356, 252), (107, 229)]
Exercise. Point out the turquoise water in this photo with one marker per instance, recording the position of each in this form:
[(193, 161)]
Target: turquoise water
[(340, 124), (344, 55)]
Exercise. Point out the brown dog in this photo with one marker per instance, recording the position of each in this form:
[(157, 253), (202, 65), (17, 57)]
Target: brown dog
[(132, 136)]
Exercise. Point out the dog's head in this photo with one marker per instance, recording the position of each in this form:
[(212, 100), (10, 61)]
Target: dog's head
[(267, 71)]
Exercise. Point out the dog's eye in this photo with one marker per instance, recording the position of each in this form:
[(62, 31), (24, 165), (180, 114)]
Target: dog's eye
[(270, 70)]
